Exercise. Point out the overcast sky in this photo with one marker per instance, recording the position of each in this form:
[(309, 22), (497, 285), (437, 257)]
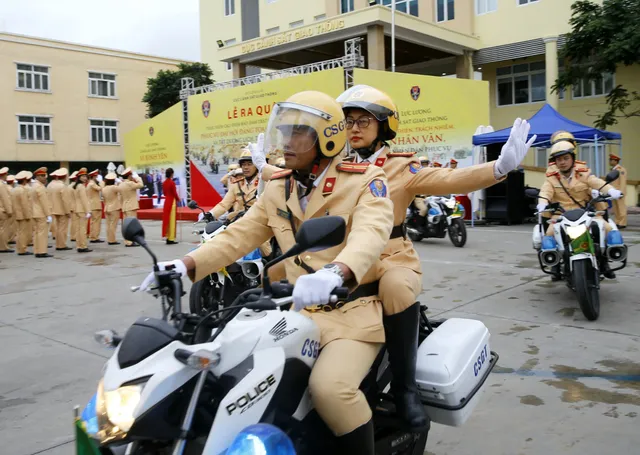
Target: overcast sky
[(168, 28)]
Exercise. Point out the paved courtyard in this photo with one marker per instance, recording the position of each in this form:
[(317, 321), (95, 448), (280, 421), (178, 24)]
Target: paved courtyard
[(563, 385)]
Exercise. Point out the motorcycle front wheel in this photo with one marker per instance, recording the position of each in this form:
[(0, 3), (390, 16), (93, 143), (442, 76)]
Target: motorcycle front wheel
[(585, 282), (458, 232), (203, 297)]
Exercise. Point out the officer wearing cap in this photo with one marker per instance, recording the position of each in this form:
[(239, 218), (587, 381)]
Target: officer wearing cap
[(112, 206), (61, 205), (23, 207), (83, 211), (453, 164), (13, 224), (71, 195), (436, 164), (619, 205), (94, 188), (570, 183), (41, 213), (6, 212), (310, 128), (129, 194), (230, 173)]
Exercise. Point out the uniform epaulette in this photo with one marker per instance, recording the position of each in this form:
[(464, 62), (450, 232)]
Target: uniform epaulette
[(551, 173), (580, 162), (236, 179), (354, 168), (582, 169), (282, 173), (405, 154)]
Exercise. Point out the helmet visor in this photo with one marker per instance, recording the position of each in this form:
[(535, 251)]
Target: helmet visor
[(293, 128)]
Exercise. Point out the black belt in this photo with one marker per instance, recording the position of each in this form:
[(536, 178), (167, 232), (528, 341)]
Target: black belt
[(364, 290), (399, 231)]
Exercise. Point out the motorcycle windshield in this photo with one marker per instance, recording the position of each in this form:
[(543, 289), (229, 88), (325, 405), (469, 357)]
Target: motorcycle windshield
[(573, 215)]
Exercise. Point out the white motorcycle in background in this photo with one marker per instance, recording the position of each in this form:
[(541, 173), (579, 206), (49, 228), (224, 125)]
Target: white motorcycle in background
[(444, 215), (580, 250), (164, 393)]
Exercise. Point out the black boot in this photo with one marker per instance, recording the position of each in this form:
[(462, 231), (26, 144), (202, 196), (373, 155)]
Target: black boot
[(359, 442), (555, 270), (606, 269), (401, 331), (421, 223)]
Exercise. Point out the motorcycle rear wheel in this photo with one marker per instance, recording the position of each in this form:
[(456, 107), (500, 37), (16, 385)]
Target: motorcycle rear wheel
[(585, 282), (458, 232)]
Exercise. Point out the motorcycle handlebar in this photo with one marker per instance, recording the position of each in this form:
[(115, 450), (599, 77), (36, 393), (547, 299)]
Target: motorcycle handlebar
[(337, 294)]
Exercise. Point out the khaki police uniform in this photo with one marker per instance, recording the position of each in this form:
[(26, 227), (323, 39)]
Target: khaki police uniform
[(578, 189), (350, 335), (71, 195), (13, 224), (619, 205), (41, 210), (23, 207), (82, 208), (61, 204), (95, 204), (6, 213), (129, 195), (112, 208)]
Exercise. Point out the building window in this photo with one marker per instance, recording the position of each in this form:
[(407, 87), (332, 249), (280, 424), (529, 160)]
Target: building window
[(526, 2), (594, 156), (542, 159), (445, 10), (104, 131), (230, 42), (320, 17), (521, 84), (34, 129), (405, 6), (32, 77), (229, 66), (272, 30), (599, 87), (103, 85), (229, 7), (295, 24), (346, 6), (486, 6)]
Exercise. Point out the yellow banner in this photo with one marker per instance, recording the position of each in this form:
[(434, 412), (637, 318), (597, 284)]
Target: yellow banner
[(438, 116), (224, 121), (157, 143)]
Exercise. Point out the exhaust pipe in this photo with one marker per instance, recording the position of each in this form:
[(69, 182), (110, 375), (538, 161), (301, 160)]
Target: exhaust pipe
[(550, 258), (617, 252)]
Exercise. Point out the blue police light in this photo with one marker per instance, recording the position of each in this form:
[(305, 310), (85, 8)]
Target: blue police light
[(261, 439)]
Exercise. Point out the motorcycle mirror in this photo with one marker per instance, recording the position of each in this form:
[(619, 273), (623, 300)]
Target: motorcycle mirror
[(321, 233), (611, 176), (132, 230), (532, 192), (192, 204)]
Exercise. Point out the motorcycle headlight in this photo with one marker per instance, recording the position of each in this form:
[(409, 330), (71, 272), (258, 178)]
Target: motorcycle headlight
[(118, 407), (576, 231)]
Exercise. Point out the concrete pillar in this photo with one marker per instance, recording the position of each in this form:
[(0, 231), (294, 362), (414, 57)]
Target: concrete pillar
[(464, 65), (551, 68), (239, 70), (375, 48)]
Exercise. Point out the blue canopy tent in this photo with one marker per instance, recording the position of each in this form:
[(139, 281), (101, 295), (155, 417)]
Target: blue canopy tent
[(547, 121)]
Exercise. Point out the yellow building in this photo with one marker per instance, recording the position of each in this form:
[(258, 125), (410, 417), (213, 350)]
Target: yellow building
[(513, 43), (69, 104)]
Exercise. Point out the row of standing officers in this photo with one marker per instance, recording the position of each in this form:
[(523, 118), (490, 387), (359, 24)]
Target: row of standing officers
[(31, 206)]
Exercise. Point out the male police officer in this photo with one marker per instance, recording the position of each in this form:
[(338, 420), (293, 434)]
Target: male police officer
[(619, 205), (6, 212), (41, 213), (112, 206), (310, 127), (94, 187), (83, 211), (61, 205), (129, 195), (23, 207)]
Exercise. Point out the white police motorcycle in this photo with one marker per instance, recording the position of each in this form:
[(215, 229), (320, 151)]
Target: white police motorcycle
[(444, 215), (579, 250), (162, 392)]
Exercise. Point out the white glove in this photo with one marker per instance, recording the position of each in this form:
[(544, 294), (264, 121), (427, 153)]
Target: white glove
[(540, 207), (595, 194), (118, 180), (514, 151), (49, 219), (615, 194), (135, 175), (314, 289), (257, 153), (88, 215), (200, 216), (99, 178), (150, 280)]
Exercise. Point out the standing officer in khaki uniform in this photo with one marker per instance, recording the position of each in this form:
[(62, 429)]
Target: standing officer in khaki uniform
[(112, 206), (23, 208), (6, 212), (13, 224), (41, 213), (61, 204), (73, 222), (129, 195), (619, 205), (95, 204), (317, 184), (83, 211)]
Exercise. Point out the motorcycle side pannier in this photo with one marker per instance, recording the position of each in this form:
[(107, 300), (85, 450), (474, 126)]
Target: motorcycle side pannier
[(452, 367)]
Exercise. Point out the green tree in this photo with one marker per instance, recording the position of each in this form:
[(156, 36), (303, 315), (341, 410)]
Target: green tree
[(163, 91), (603, 37)]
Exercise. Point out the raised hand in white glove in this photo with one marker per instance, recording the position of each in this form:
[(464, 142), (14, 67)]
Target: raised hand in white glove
[(118, 181), (595, 194), (615, 194), (99, 178), (200, 216), (314, 289), (49, 219), (135, 175), (514, 151), (540, 207), (257, 153), (150, 280), (88, 215)]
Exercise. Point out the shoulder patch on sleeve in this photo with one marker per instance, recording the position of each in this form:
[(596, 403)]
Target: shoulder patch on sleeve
[(414, 168), (280, 174), (405, 154), (378, 188), (354, 168)]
